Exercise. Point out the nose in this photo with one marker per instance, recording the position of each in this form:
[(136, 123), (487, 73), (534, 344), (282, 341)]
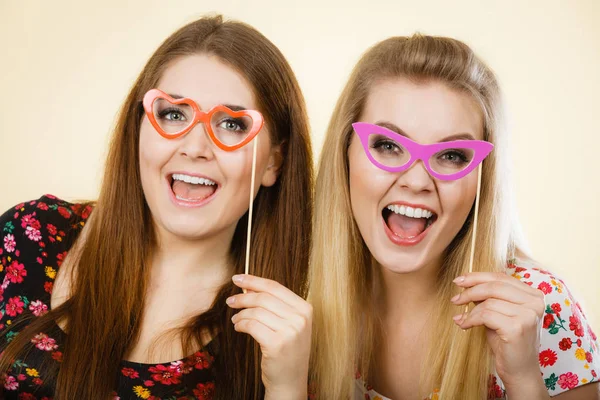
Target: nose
[(416, 178), (197, 144)]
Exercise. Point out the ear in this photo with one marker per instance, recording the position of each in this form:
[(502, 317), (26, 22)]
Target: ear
[(272, 172)]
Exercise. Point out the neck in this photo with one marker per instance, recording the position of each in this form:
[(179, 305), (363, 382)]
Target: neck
[(408, 297), (179, 261)]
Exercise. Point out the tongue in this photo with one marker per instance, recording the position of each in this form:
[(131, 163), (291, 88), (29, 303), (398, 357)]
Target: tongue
[(404, 226), (190, 191)]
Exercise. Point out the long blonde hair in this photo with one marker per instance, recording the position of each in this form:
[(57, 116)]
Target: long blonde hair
[(342, 276)]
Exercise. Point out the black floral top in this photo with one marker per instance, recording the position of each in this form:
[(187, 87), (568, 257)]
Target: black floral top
[(34, 240)]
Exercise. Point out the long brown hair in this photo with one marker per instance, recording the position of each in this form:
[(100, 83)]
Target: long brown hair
[(343, 282), (103, 320)]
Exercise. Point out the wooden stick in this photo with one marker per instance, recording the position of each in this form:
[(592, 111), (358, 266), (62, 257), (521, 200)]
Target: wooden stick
[(249, 233), (474, 235)]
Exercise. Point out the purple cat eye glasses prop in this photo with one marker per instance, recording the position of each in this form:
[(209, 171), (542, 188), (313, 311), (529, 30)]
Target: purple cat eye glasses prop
[(446, 161)]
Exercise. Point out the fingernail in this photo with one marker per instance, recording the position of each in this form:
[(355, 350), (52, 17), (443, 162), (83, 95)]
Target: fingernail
[(460, 279), (230, 300), (237, 278), (455, 298), (457, 317)]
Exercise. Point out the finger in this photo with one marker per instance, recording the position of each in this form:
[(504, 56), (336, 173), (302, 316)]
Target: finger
[(491, 319), (496, 289), (476, 278), (263, 316), (258, 284), (507, 328), (260, 332), (267, 302), (499, 306)]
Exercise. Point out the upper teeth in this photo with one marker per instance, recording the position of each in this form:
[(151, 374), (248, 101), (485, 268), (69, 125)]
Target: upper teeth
[(410, 212), (193, 179)]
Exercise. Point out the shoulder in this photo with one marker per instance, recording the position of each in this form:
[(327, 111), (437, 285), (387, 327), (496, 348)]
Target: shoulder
[(34, 239), (569, 350)]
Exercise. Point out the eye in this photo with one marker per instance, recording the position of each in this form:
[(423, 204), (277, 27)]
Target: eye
[(172, 114), (386, 146), (233, 124), (454, 156)]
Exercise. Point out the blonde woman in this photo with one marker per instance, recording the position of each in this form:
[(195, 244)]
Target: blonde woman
[(419, 119)]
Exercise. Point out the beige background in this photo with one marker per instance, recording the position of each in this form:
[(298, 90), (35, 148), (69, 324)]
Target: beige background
[(65, 67)]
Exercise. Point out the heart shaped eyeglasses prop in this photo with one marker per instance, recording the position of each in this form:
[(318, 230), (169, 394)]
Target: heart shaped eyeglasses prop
[(228, 129), (452, 160)]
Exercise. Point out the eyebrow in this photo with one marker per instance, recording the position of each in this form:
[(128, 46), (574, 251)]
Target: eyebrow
[(457, 136), (232, 107)]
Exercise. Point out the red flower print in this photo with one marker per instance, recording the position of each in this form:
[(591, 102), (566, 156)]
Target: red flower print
[(547, 358), (42, 206), (33, 234), (594, 374), (14, 306), (204, 391), (15, 272), (37, 381), (519, 269), (588, 357), (545, 287), (556, 308), (548, 320), (86, 212), (494, 390), (565, 344), (592, 334), (201, 360), (568, 380), (180, 367), (57, 356), (60, 257), (29, 220), (575, 325), (48, 287), (44, 342), (579, 342), (64, 212), (26, 396), (51, 229), (38, 308), (10, 383), (130, 373), (165, 375), (21, 377), (9, 243), (149, 383)]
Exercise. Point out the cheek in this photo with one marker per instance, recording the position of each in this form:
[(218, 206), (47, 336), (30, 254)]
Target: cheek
[(237, 165), (368, 184), (154, 153), (457, 199)]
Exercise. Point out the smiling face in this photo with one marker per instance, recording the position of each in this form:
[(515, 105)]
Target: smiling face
[(193, 188), (409, 218)]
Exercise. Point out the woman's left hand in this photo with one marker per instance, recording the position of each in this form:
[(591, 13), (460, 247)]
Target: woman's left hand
[(512, 312), (281, 322)]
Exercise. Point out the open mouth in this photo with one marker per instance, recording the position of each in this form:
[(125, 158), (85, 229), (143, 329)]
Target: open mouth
[(192, 189), (407, 222)]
